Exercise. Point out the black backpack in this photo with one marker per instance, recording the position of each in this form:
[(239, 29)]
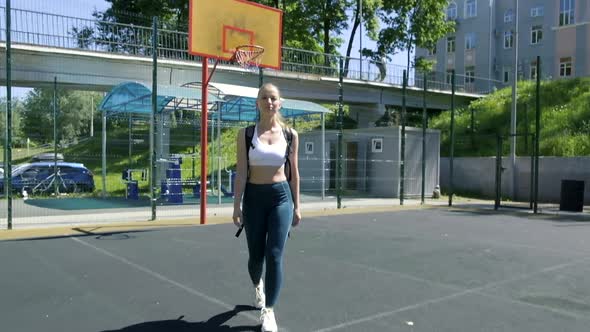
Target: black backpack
[(288, 137)]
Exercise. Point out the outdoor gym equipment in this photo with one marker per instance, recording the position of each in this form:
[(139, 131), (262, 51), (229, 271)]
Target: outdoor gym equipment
[(131, 185)]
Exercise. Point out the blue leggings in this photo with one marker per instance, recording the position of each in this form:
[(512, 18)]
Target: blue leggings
[(267, 210)]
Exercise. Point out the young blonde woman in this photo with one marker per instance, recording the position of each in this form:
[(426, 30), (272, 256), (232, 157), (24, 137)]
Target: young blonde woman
[(266, 201)]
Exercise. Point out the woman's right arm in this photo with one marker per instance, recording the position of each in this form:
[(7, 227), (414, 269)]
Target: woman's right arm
[(241, 176)]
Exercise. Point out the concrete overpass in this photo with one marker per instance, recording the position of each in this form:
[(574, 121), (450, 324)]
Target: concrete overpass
[(37, 66)]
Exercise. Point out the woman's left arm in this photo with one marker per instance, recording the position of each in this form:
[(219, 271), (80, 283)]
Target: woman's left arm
[(294, 183)]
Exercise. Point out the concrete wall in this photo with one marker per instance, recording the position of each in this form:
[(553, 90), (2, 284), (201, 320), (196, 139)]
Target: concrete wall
[(477, 175)]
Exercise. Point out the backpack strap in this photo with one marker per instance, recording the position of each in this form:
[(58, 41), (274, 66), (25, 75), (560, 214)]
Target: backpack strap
[(249, 134), (289, 138)]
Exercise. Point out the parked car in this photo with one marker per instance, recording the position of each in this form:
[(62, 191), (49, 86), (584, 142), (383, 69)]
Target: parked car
[(48, 156), (39, 178)]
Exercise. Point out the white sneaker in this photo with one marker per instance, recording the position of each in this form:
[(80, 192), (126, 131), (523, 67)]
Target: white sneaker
[(269, 323), (259, 300)]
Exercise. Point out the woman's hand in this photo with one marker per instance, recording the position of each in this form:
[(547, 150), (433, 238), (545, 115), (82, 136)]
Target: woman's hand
[(237, 217), (296, 217)]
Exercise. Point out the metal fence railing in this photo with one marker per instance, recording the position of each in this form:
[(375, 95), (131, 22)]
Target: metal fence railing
[(53, 30)]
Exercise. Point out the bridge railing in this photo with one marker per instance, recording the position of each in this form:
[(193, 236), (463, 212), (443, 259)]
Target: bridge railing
[(53, 30)]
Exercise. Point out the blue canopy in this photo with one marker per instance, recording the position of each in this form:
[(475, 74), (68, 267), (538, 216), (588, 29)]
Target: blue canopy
[(236, 103), (240, 103), (134, 97)]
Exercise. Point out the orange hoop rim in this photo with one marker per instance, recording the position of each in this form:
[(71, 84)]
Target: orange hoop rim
[(248, 55)]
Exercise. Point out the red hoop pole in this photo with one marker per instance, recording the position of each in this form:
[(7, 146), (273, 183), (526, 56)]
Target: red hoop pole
[(204, 126)]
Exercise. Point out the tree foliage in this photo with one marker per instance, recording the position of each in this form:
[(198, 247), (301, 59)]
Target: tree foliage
[(17, 110), (312, 25), (388, 119), (74, 110), (369, 20), (409, 24)]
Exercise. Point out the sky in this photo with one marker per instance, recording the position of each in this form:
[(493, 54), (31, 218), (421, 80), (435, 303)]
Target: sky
[(84, 9)]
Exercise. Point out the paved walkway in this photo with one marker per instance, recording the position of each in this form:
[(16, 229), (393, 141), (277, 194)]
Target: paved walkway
[(46, 221)]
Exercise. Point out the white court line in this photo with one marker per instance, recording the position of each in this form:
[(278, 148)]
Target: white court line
[(475, 290), (168, 280)]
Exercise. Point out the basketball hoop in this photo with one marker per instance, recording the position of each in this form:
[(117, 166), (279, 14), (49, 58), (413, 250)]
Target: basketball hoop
[(248, 56)]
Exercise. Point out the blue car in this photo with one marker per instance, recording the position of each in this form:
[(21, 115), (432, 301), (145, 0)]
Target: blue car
[(40, 178)]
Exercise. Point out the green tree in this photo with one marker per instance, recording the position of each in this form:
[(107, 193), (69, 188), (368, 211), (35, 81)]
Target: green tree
[(388, 119), (315, 25), (296, 24), (369, 20), (17, 111), (74, 110), (132, 17), (409, 24), (332, 118)]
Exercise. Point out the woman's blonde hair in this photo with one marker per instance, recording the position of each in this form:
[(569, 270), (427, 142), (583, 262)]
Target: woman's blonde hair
[(278, 117)]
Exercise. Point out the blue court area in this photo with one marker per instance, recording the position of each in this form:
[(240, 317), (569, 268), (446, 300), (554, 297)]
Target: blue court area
[(432, 269)]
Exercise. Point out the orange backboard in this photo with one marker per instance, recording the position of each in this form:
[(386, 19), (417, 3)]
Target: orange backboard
[(217, 27)]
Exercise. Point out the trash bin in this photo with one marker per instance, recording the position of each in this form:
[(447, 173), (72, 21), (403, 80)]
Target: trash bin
[(132, 190), (572, 196)]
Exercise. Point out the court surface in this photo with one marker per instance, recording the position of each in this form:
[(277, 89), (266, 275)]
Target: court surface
[(433, 269)]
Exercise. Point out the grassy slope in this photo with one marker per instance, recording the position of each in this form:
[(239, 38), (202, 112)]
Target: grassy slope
[(565, 120)]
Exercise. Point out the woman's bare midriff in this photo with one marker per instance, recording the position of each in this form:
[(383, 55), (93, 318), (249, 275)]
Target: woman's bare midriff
[(266, 174)]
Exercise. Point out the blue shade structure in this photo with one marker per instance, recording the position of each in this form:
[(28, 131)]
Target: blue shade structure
[(136, 98), (239, 103)]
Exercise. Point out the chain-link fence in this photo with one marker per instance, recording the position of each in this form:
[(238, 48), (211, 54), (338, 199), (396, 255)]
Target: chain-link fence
[(73, 159)]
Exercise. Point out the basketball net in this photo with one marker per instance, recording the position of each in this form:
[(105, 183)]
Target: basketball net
[(248, 56)]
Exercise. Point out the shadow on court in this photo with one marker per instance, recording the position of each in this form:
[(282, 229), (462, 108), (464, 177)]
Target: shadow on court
[(215, 324)]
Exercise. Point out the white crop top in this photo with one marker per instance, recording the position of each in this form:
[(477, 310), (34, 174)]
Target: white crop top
[(262, 154)]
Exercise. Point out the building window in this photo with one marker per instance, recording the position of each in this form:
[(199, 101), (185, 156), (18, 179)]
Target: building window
[(377, 145), (536, 34), (451, 45), (533, 70), (508, 39), (309, 148), (506, 75), (537, 11), (566, 12), (508, 16), (470, 8), (432, 51), (469, 75), (449, 76), (452, 11), (470, 40), (565, 67)]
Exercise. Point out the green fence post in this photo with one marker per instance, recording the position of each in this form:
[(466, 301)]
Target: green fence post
[(424, 124), (452, 139), (532, 177), (402, 153), (55, 139), (153, 116), (537, 131), (339, 123), (498, 171), (8, 141)]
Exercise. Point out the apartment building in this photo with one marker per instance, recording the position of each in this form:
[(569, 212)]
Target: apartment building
[(483, 44)]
